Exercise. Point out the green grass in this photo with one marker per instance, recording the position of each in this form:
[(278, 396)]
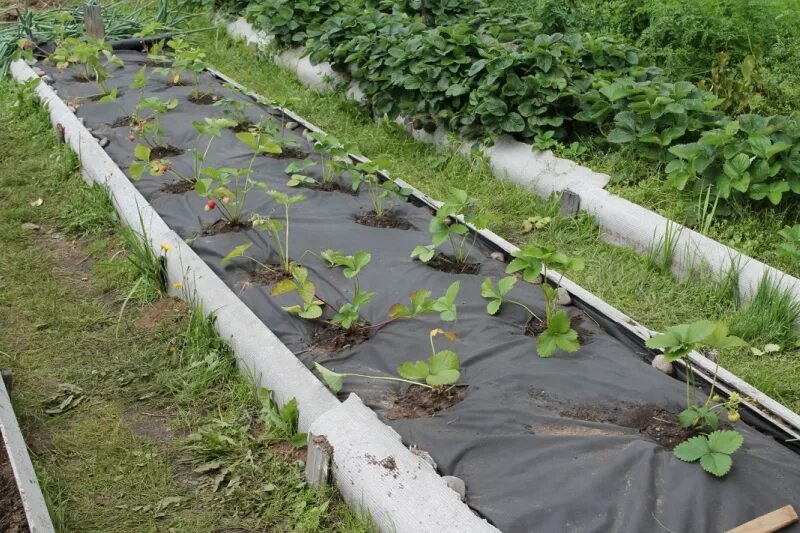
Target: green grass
[(616, 275), (158, 389)]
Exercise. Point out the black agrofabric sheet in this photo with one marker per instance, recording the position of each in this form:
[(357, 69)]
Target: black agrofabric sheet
[(527, 466)]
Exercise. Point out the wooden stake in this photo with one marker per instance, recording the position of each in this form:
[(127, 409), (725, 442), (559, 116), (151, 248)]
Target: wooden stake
[(93, 22), (770, 522), (318, 461)]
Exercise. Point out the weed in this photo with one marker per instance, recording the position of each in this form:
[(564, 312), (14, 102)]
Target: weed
[(770, 314), (662, 253)]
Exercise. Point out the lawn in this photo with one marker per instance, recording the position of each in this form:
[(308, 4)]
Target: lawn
[(135, 415)]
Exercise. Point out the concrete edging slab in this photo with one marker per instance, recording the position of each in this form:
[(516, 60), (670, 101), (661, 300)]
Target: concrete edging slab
[(29, 491), (623, 223), (261, 355)]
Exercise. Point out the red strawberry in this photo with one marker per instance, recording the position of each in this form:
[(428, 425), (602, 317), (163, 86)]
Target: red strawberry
[(210, 205)]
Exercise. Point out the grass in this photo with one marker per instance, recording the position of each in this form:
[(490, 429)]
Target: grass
[(616, 275), (161, 433)]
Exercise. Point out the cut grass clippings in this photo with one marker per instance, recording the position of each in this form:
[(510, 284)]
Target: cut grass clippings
[(618, 276), (137, 421)]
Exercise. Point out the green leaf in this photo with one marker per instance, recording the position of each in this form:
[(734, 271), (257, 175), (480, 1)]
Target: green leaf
[(718, 464), (493, 307), (725, 441), (688, 417), (512, 123), (142, 152), (236, 252), (284, 286), (414, 371), (692, 449), (332, 379)]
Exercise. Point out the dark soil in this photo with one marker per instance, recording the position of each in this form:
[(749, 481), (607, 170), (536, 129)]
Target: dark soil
[(12, 514), (422, 402), (122, 122), (80, 78), (286, 450), (288, 152), (178, 187), (656, 422), (204, 99), (223, 226), (160, 152), (383, 221), (332, 338), (534, 327), (445, 263), (262, 276), (242, 126)]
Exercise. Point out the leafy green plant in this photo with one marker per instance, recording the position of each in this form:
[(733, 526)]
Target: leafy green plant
[(383, 193), (149, 128), (713, 451), (193, 60), (281, 423), (531, 263), (652, 114), (92, 56), (334, 156), (234, 110), (447, 225), (790, 248), (348, 315), (441, 370), (753, 156), (677, 343), (274, 227), (207, 131)]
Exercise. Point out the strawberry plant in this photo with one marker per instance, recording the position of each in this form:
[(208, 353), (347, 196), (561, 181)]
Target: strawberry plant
[(383, 193), (713, 450), (235, 111), (445, 226), (149, 128), (790, 248), (348, 316), (274, 228), (752, 156), (677, 343), (92, 56), (651, 114), (227, 189), (188, 58), (440, 371), (334, 157), (533, 262)]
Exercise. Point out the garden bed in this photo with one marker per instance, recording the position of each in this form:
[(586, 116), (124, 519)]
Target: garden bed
[(12, 512), (490, 438)]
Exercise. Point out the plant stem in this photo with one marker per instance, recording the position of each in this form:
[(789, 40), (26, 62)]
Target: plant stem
[(528, 309), (388, 378)]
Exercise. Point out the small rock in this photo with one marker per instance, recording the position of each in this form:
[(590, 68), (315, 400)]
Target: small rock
[(31, 226), (292, 125), (38, 71), (563, 297), (457, 484), (47, 79), (103, 141), (422, 454), (497, 256), (660, 362)]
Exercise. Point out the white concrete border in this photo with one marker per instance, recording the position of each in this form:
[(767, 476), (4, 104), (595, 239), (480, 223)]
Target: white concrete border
[(622, 222), (411, 497), (29, 491)]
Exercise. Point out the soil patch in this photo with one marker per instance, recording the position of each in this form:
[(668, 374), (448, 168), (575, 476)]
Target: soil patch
[(223, 226), (264, 276), (12, 513), (242, 126), (204, 99), (165, 311), (12, 7), (534, 327), (332, 338), (566, 430), (160, 152), (288, 152), (656, 422), (178, 187), (445, 263), (421, 402), (382, 221), (121, 122), (285, 450)]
